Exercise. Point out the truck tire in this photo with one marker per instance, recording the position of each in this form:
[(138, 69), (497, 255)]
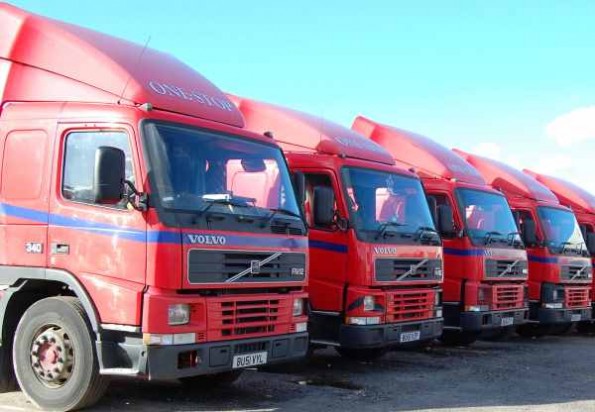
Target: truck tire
[(585, 328), (561, 328), (458, 338), (54, 356), (363, 354), (532, 330), (217, 379), (498, 334)]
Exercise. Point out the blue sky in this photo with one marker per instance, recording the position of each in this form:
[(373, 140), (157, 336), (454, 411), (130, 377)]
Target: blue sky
[(510, 79)]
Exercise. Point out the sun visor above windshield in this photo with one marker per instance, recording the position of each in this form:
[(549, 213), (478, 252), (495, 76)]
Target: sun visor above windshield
[(423, 154), (54, 61), (299, 130), (509, 179), (568, 193)]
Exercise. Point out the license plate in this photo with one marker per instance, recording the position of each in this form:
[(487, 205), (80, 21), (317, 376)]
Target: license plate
[(248, 360), (575, 317), (410, 336), (507, 321)]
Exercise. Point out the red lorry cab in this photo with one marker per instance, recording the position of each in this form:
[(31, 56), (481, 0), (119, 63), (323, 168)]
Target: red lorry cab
[(484, 260), (582, 204), (138, 224), (559, 267), (376, 260)]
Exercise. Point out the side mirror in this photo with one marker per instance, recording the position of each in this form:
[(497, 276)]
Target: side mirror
[(433, 205), (110, 173), (299, 186), (446, 225), (324, 206), (529, 232), (591, 243)]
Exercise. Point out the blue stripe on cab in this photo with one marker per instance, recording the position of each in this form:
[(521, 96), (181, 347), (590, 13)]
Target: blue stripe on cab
[(464, 252), (540, 259), (333, 247)]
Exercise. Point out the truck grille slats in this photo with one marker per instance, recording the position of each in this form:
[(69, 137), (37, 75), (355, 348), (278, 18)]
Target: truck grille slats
[(215, 266), (576, 297), (504, 268), (407, 270), (503, 297), (410, 305), (246, 317), (575, 272)]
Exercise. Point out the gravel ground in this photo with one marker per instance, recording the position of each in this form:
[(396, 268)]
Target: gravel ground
[(548, 374)]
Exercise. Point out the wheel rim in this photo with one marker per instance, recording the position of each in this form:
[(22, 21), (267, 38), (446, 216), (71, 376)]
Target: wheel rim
[(52, 356)]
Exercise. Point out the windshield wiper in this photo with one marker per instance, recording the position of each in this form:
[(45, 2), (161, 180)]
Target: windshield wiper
[(488, 237), (381, 231), (563, 246), (275, 212), (422, 230), (511, 238), (222, 201)]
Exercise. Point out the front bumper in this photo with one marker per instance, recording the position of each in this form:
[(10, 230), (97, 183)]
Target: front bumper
[(482, 321), (164, 362), (378, 336), (552, 316)]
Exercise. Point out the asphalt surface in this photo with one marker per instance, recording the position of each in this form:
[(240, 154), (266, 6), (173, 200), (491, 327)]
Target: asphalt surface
[(547, 374)]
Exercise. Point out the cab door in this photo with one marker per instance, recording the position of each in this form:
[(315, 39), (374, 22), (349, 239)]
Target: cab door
[(328, 247), (104, 247)]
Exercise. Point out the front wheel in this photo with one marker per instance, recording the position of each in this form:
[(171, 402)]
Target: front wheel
[(533, 330), (364, 354), (54, 356), (458, 338), (217, 379), (585, 328)]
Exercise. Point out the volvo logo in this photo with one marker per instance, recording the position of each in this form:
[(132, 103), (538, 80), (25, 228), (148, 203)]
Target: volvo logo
[(255, 267), (207, 239), (383, 250)]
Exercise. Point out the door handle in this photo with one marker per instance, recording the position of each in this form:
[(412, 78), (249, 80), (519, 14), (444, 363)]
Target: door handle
[(60, 249)]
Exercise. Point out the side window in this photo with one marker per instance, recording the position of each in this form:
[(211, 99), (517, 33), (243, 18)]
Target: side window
[(79, 162), (314, 180)]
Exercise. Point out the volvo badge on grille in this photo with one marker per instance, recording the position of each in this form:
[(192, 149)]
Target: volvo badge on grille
[(255, 267)]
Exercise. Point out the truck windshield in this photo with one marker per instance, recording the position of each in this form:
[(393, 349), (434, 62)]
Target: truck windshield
[(562, 232), (388, 207), (200, 172), (488, 219)]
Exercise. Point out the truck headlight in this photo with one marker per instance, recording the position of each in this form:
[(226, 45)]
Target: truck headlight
[(178, 314), (298, 307), (369, 303), (363, 321)]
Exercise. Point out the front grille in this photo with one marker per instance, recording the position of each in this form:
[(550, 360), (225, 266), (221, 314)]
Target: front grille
[(247, 317), (410, 305), (502, 297), (576, 297), (218, 266), (387, 270), (496, 268), (575, 272)]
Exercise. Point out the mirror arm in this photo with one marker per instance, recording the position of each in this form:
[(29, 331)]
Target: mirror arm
[(138, 200)]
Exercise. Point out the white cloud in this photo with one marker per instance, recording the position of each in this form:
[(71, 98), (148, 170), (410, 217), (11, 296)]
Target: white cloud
[(488, 149), (573, 127)]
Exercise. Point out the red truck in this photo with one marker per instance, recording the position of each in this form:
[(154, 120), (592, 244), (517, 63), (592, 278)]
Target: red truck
[(376, 259), (560, 270), (143, 231), (582, 204), (485, 264)]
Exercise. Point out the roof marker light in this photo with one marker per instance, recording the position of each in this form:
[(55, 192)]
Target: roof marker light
[(147, 107)]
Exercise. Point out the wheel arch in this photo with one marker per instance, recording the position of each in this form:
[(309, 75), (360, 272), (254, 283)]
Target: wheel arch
[(33, 284)]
